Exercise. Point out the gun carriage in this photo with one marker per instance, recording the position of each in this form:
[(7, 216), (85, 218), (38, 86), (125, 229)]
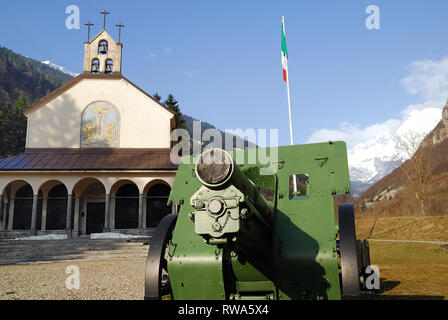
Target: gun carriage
[(248, 230)]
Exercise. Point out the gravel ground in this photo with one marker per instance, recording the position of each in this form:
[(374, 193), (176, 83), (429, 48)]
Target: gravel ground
[(100, 279)]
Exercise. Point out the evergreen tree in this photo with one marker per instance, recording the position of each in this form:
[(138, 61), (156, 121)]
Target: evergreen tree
[(13, 127), (157, 97), (173, 105)]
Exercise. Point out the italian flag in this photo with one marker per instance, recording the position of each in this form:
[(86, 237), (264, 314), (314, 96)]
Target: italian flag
[(284, 53)]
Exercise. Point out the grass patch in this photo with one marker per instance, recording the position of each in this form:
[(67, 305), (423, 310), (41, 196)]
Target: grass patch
[(411, 271), (403, 228)]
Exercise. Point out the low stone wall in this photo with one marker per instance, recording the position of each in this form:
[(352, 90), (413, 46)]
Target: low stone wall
[(28, 233), (135, 232), (15, 234)]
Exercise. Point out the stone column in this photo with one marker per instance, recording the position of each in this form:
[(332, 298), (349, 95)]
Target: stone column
[(144, 212), (34, 214), (43, 223), (76, 218), (11, 213), (1, 207), (112, 213), (68, 222), (140, 211), (5, 213), (107, 214), (83, 215)]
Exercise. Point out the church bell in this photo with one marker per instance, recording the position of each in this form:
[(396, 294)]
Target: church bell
[(108, 68), (103, 49)]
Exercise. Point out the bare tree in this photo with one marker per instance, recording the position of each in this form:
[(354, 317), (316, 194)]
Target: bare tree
[(416, 170)]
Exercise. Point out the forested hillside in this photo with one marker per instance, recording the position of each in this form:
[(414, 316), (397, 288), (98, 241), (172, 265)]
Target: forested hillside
[(22, 81), (22, 76)]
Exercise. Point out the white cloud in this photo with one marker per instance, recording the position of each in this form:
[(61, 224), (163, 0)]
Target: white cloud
[(353, 134), (426, 79), (150, 56), (168, 50)]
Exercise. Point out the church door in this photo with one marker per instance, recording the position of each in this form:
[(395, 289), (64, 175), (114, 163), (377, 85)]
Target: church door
[(95, 217)]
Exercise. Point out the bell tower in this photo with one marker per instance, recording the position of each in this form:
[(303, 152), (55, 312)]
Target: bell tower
[(102, 55)]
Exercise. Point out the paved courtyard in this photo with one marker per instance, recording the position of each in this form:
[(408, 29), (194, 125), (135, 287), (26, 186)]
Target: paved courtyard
[(108, 270)]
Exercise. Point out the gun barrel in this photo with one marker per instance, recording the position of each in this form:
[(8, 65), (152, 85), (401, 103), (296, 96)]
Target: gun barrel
[(216, 169)]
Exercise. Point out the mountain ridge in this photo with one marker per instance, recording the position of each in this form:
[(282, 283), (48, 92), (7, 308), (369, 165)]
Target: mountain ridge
[(427, 169), (24, 76), (372, 160)]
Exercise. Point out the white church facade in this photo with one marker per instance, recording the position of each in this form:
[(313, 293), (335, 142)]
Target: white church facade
[(97, 156)]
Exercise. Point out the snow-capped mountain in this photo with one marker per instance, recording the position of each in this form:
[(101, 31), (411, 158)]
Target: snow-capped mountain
[(62, 69), (374, 159)]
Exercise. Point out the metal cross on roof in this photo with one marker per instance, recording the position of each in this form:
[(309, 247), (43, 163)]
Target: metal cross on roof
[(88, 30), (119, 31), (104, 13)]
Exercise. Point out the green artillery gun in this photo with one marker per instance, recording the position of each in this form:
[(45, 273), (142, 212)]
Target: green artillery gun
[(248, 230)]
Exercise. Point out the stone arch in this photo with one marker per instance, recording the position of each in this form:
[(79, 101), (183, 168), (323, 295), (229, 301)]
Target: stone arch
[(154, 182), (23, 206), (81, 185), (90, 205), (11, 187), (47, 185), (53, 206), (156, 197), (56, 210), (17, 213), (118, 184), (126, 205)]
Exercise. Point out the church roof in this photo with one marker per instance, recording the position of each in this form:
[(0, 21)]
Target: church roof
[(91, 159), (101, 33), (65, 87)]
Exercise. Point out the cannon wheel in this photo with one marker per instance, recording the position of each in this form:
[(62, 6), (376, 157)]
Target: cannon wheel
[(348, 251), (157, 283)]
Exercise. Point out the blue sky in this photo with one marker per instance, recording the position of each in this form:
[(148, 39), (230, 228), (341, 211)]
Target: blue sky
[(221, 59)]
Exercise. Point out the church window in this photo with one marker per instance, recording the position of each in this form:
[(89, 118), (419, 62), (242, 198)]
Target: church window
[(99, 126)]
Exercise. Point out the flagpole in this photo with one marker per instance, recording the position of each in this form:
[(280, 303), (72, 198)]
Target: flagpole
[(287, 88), (289, 109), (294, 177)]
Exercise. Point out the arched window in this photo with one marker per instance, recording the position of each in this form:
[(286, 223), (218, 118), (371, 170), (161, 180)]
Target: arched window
[(99, 125), (95, 66), (103, 47)]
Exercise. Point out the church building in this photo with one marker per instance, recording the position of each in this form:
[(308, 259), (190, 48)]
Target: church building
[(97, 156)]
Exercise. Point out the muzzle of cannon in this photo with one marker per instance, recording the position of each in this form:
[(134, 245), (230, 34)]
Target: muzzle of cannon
[(227, 200)]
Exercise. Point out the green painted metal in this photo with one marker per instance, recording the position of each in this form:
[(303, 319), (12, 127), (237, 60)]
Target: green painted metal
[(291, 257)]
